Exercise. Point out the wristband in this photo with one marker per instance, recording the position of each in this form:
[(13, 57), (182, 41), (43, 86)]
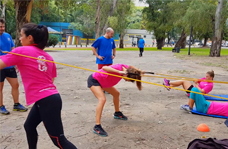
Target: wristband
[(114, 55)]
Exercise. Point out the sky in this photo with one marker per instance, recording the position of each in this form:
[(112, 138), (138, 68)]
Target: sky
[(139, 3)]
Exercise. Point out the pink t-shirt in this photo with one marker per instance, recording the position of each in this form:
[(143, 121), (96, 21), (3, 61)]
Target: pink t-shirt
[(107, 81), (37, 76), (206, 86), (218, 108)]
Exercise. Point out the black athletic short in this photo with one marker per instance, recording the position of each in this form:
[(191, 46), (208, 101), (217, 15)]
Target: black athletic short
[(92, 82), (190, 88), (10, 73)]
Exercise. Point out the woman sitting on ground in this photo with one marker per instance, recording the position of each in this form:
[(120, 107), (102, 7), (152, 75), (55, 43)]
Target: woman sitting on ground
[(97, 82), (204, 106), (202, 86)]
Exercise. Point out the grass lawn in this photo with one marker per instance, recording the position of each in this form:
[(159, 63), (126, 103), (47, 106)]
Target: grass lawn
[(201, 52), (194, 51)]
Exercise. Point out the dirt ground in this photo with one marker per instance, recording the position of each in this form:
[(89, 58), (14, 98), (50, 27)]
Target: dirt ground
[(155, 119)]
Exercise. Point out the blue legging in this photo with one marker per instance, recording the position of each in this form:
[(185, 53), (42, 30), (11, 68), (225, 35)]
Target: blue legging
[(47, 110), (201, 103)]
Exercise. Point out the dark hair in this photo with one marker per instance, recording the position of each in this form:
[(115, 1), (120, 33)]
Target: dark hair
[(211, 73), (38, 32), (2, 21), (135, 74)]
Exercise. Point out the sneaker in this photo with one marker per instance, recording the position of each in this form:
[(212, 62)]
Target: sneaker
[(119, 115), (97, 129), (186, 108), (19, 107), (166, 84), (3, 110)]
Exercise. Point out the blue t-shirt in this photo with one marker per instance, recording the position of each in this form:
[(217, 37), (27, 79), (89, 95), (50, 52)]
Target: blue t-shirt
[(6, 43), (104, 48), (141, 43)]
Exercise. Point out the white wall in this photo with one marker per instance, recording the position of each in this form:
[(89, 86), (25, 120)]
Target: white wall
[(130, 33)]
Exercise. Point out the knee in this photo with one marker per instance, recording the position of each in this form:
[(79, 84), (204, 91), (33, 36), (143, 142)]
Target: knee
[(27, 127), (193, 95), (116, 94), (15, 86), (194, 89), (102, 100)]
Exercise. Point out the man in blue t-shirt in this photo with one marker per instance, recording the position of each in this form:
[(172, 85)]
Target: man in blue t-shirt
[(9, 73), (141, 46), (106, 49)]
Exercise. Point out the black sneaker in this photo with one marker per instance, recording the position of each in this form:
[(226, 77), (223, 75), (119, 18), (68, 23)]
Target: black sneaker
[(119, 115), (97, 129)]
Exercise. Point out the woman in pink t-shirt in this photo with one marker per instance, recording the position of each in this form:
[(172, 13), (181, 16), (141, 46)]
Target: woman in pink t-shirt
[(37, 77), (203, 86), (98, 82)]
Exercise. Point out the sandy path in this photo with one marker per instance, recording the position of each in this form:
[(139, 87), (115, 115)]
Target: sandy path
[(155, 121)]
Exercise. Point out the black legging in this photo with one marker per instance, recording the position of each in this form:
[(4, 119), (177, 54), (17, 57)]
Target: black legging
[(47, 110)]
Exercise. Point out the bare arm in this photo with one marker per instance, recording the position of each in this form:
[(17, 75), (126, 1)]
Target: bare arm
[(110, 69), (2, 64), (95, 51), (15, 65), (114, 52), (197, 86)]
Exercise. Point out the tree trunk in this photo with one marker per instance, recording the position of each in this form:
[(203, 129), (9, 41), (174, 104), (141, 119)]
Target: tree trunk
[(160, 43), (21, 7), (181, 43), (110, 14), (97, 22), (121, 41), (205, 41), (217, 39), (3, 10)]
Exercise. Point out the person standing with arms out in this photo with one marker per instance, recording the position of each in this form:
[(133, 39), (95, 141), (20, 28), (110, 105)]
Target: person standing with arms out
[(38, 80), (9, 73), (106, 49), (141, 46)]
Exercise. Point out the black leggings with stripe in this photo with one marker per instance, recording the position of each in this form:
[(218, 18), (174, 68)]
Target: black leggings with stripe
[(48, 111)]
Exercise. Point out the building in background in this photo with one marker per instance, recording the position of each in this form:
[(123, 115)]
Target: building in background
[(133, 35), (76, 37), (71, 36)]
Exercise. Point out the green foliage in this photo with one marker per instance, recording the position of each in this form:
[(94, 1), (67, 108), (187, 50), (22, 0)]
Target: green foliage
[(177, 11), (10, 19), (157, 18), (53, 40), (200, 14), (135, 19), (85, 18), (119, 20)]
